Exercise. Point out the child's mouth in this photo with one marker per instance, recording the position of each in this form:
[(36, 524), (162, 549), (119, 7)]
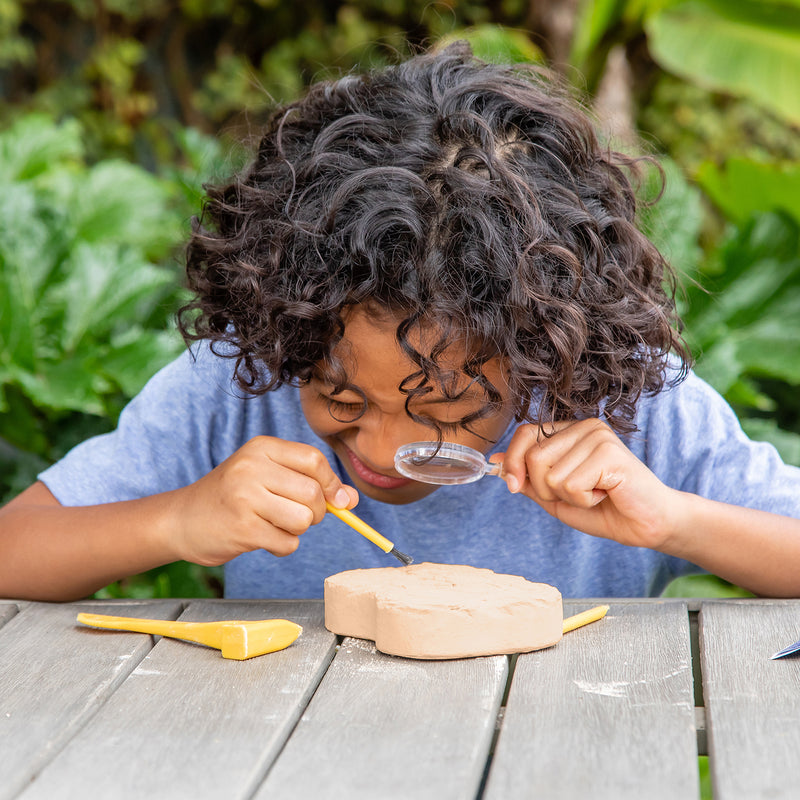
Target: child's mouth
[(371, 477)]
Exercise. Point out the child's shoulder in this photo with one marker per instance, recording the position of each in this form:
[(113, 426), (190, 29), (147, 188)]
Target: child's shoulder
[(687, 403), (201, 383), (201, 367)]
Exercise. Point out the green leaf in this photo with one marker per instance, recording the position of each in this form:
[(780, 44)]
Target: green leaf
[(747, 325), (743, 186), (179, 579), (121, 203), (771, 346), (31, 242), (72, 383), (594, 19), (672, 223), (106, 284), (745, 393), (32, 238), (33, 143), (703, 586), (742, 47), (750, 295), (20, 424), (752, 265), (718, 364), (497, 44), (137, 354), (786, 443)]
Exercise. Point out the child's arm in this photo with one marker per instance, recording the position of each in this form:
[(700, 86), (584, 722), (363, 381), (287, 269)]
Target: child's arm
[(264, 496), (586, 477)]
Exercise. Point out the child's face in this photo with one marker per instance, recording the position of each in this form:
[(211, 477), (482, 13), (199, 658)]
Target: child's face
[(366, 446)]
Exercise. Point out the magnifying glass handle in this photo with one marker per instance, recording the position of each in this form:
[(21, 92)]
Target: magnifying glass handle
[(494, 469)]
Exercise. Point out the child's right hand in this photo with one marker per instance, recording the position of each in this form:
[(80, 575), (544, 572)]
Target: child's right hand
[(264, 496)]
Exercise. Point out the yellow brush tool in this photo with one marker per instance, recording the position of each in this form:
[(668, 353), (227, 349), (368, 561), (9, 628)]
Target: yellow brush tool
[(238, 639), (584, 618), (349, 518)]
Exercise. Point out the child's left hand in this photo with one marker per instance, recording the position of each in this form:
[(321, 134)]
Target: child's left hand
[(586, 477)]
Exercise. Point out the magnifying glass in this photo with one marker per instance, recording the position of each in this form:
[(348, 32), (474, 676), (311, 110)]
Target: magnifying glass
[(445, 463)]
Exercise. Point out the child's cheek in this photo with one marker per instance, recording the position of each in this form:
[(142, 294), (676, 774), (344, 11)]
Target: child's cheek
[(315, 409)]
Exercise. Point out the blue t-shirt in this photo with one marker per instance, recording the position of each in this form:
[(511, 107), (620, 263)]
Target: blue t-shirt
[(190, 417)]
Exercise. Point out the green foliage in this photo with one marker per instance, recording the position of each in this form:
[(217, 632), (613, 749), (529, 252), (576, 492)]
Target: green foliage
[(88, 288), (119, 65), (743, 187), (496, 44), (749, 48), (697, 126), (83, 300), (740, 302), (703, 586), (671, 215), (180, 579), (743, 323), (745, 48)]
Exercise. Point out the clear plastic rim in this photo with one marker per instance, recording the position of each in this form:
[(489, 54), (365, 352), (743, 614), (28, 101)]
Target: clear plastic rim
[(445, 463)]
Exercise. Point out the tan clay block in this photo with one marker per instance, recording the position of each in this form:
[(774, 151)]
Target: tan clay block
[(443, 610)]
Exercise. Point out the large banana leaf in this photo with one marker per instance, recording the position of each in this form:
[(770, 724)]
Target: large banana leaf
[(745, 186), (748, 48)]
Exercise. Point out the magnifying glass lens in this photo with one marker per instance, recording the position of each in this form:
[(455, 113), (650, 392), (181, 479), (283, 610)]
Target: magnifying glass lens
[(447, 463)]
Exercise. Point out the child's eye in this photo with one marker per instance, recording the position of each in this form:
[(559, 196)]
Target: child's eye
[(341, 406), (341, 411), (450, 427)]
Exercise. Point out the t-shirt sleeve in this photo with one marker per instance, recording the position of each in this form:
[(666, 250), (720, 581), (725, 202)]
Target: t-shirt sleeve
[(694, 443), (167, 437)]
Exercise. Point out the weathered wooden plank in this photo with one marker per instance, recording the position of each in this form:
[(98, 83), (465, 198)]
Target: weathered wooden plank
[(7, 611), (752, 703), (606, 713), (386, 727), (54, 675), (190, 724)]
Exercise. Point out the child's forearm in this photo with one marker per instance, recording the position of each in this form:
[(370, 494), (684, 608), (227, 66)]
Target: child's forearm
[(54, 553), (756, 550), (264, 496)]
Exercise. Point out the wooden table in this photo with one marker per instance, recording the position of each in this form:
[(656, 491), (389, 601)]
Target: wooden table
[(618, 709)]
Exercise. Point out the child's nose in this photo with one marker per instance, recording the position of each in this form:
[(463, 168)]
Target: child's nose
[(379, 441)]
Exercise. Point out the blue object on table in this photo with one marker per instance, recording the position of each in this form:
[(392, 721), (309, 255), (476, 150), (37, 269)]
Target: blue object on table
[(787, 651)]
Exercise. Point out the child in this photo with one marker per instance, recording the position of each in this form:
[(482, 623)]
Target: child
[(440, 250)]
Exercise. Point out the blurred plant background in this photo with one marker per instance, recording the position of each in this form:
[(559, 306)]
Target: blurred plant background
[(114, 112)]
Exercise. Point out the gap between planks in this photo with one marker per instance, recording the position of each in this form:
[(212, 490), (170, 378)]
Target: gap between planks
[(693, 609)]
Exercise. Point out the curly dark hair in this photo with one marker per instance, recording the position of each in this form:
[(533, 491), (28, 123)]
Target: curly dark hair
[(467, 198)]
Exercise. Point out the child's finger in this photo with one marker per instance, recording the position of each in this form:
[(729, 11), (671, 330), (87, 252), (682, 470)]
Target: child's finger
[(580, 486), (530, 454), (308, 461), (584, 472), (285, 514)]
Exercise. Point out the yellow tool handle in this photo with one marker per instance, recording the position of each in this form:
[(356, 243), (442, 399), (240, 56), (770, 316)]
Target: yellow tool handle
[(584, 618), (201, 632), (349, 518), (236, 638)]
